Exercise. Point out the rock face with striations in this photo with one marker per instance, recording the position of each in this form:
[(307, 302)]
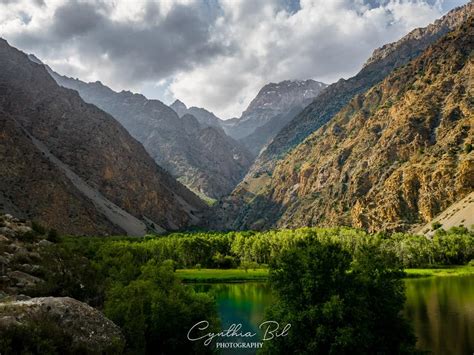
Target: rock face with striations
[(201, 156), (337, 95), (72, 166), (391, 159), (274, 106)]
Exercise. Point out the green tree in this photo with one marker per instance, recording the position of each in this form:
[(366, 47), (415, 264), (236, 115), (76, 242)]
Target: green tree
[(336, 303), (155, 311)]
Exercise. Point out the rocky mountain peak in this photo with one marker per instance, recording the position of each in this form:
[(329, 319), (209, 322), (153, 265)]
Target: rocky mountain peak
[(452, 19), (179, 107), (280, 96)]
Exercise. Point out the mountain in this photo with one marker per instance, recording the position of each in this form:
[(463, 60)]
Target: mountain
[(72, 167), (202, 157), (393, 158), (205, 117), (460, 213), (275, 102), (337, 95)]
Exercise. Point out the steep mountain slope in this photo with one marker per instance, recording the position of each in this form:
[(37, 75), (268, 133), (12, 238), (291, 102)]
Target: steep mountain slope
[(460, 213), (337, 95), (33, 187), (73, 167), (205, 117), (394, 157), (202, 157), (274, 100)]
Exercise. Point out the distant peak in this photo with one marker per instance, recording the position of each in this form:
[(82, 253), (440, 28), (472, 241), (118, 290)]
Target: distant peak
[(179, 107), (179, 103)]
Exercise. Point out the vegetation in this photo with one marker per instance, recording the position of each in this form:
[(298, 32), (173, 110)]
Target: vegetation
[(137, 282), (219, 275), (215, 250), (155, 310), (337, 303), (441, 272)]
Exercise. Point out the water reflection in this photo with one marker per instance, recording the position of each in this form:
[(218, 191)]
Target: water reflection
[(441, 310), (240, 303)]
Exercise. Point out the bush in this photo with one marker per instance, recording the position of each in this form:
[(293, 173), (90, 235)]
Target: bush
[(53, 236), (38, 228), (467, 148), (436, 225), (155, 311), (336, 303)]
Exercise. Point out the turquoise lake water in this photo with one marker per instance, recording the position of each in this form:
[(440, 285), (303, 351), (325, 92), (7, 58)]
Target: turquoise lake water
[(440, 309)]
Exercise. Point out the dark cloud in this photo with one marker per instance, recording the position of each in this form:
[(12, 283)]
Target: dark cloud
[(210, 53), (154, 47)]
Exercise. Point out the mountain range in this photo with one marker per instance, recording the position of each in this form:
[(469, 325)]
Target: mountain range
[(383, 61), (199, 155), (389, 149), (71, 166), (383, 156)]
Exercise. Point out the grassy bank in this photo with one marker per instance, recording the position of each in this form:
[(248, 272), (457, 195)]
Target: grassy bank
[(222, 275), (240, 275), (441, 272)]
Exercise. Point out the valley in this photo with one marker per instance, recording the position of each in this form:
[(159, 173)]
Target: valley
[(235, 163)]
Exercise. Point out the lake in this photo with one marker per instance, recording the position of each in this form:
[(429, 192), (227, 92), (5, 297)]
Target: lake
[(440, 309)]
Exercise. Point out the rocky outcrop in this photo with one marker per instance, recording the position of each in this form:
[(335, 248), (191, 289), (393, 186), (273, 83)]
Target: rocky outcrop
[(337, 95), (20, 258), (204, 117), (393, 158), (25, 264), (198, 154), (273, 107), (88, 331), (55, 132)]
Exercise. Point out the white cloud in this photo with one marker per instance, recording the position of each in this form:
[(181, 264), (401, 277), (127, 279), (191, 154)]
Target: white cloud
[(324, 40), (210, 53)]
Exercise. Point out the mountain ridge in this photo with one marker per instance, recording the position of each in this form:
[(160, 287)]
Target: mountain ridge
[(336, 95), (212, 168), (392, 158), (87, 141)]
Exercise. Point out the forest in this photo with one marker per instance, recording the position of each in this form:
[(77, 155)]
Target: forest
[(135, 283)]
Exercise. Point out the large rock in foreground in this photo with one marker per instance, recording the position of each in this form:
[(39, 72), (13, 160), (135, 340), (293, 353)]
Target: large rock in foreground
[(89, 330)]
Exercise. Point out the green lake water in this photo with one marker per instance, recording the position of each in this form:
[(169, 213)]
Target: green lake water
[(440, 309)]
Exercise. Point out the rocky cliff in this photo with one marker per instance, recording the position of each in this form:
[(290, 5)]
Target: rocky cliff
[(273, 107), (392, 158), (73, 167), (337, 95), (199, 155)]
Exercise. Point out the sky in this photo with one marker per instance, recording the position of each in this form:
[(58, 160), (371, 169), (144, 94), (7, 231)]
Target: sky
[(215, 54)]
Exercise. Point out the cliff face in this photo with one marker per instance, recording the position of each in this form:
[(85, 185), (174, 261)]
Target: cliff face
[(393, 158), (337, 95), (273, 107), (205, 117), (199, 155), (73, 166)]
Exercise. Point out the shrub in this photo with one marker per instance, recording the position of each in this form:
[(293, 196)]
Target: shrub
[(436, 225)]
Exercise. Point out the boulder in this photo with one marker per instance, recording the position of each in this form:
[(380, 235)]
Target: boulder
[(89, 330)]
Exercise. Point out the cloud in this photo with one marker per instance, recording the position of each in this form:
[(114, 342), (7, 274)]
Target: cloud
[(116, 43), (210, 53)]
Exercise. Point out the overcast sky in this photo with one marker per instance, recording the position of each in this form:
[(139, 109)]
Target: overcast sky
[(215, 54)]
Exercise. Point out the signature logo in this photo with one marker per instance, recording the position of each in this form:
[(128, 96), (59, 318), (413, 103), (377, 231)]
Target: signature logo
[(270, 329)]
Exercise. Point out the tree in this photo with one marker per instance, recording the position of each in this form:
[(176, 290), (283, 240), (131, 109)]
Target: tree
[(337, 303), (155, 311)]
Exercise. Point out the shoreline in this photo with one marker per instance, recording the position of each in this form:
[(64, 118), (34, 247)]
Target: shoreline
[(259, 275)]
